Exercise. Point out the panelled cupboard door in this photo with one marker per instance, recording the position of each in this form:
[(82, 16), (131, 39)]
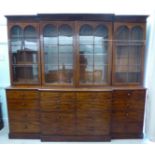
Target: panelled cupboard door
[(24, 53), (58, 51), (128, 53), (94, 53)]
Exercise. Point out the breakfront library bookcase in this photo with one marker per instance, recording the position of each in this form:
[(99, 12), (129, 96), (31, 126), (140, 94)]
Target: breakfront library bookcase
[(76, 77)]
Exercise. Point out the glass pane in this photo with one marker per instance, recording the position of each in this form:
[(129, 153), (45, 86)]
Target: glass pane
[(66, 49), (86, 49), (134, 74), (50, 35), (25, 74), (101, 48), (86, 34), (137, 33), (101, 34), (65, 73), (122, 33), (51, 55), (100, 74), (121, 77), (86, 74), (135, 55), (22, 57), (122, 55), (30, 41), (100, 59), (86, 59), (51, 74), (18, 58), (16, 32), (30, 32), (65, 35), (66, 59), (16, 44), (16, 38), (120, 68)]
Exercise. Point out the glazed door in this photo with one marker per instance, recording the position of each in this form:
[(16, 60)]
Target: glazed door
[(128, 54), (94, 53), (24, 54), (58, 53)]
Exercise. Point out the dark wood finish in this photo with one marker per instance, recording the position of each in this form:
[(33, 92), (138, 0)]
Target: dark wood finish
[(93, 93), (24, 113), (128, 112)]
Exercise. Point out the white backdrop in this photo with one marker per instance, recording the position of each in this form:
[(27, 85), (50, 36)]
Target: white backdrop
[(26, 7)]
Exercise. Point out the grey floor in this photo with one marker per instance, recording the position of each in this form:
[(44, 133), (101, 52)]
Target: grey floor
[(5, 140)]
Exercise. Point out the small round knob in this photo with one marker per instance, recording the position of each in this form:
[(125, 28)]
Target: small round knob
[(129, 94)]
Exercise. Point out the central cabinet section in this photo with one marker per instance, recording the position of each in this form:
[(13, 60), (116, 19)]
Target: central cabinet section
[(76, 115), (76, 53)]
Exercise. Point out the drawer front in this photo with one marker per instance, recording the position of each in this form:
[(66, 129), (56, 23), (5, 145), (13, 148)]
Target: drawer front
[(58, 123), (93, 96), (23, 105), (22, 94), (134, 127), (118, 127), (94, 106), (129, 94), (97, 123), (57, 106), (22, 115), (24, 127), (131, 116), (58, 96)]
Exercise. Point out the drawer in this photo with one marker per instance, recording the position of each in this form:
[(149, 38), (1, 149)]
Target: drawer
[(118, 127), (136, 116), (97, 123), (22, 115), (94, 96), (24, 127), (58, 97), (57, 106), (58, 123), (121, 105), (49, 96), (129, 94), (23, 105), (134, 127), (94, 106), (22, 94)]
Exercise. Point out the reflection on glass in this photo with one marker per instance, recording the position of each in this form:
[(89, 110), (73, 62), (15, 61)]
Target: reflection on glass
[(65, 74), (101, 34), (30, 36), (86, 34), (100, 59), (134, 55), (102, 49), (86, 74), (51, 73), (137, 33), (51, 58), (65, 35), (100, 74), (16, 36), (122, 33), (87, 49), (25, 74), (50, 35)]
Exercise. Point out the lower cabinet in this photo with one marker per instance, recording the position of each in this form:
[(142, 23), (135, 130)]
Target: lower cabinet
[(53, 115), (128, 113), (24, 115)]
